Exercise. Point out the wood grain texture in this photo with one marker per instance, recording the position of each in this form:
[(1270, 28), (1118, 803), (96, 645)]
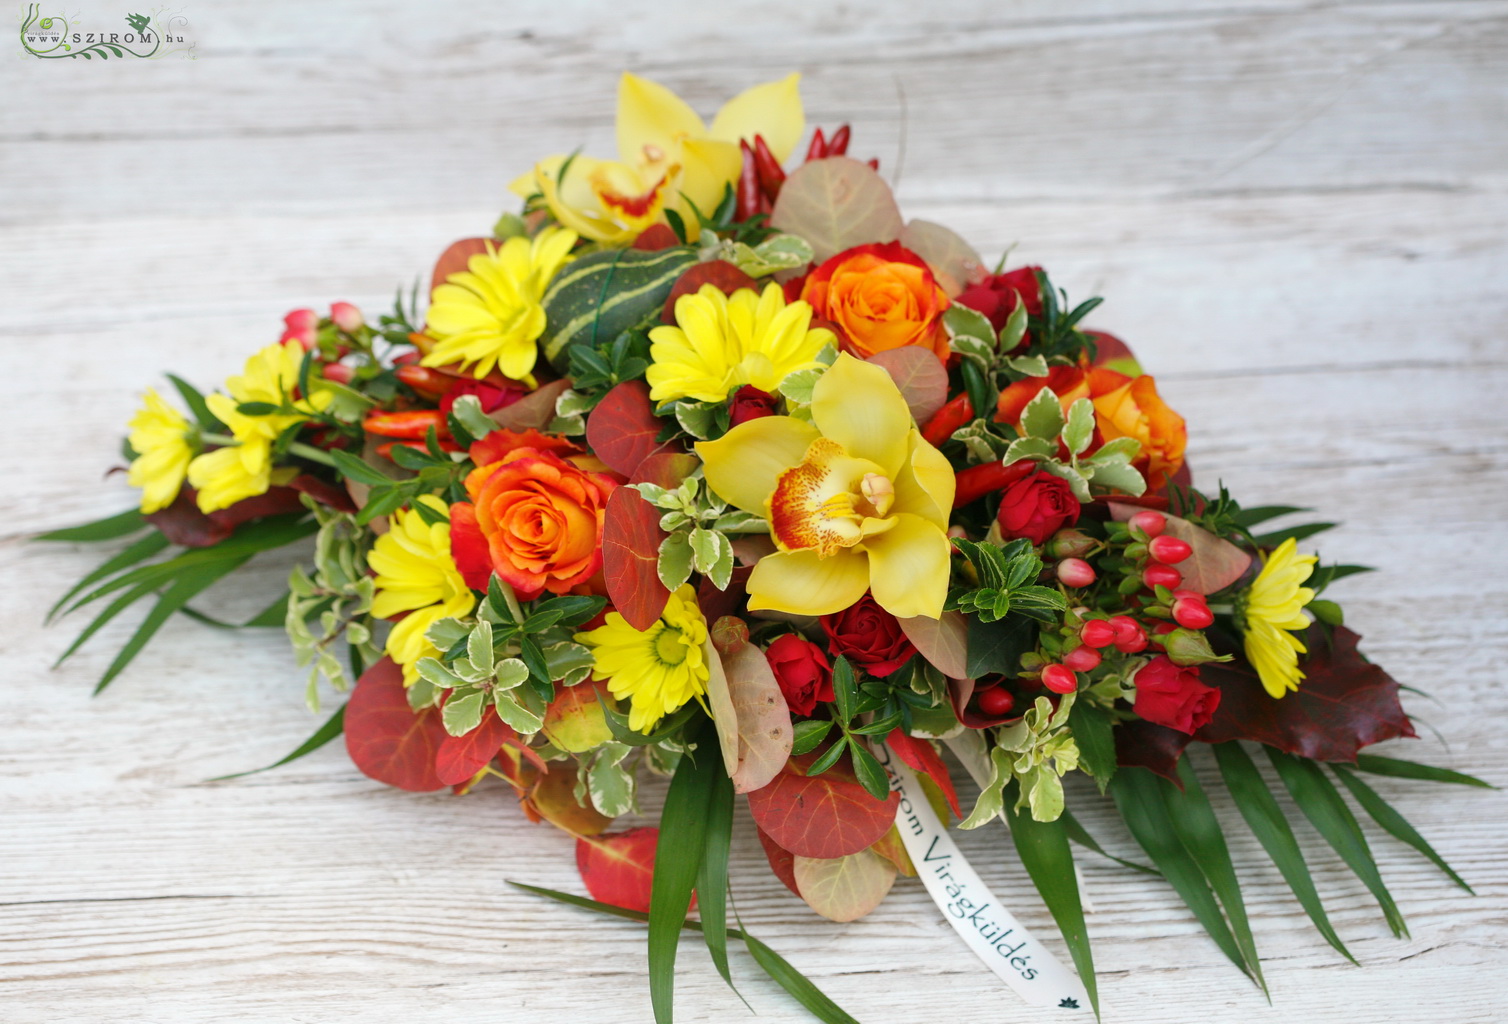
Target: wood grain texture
[(1298, 214)]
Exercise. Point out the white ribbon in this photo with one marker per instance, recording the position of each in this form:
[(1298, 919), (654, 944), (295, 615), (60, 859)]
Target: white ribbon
[(990, 930)]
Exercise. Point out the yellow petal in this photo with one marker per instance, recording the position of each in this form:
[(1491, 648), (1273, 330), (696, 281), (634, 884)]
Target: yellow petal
[(858, 405), (651, 115), (926, 483), (742, 466), (908, 568), (708, 167), (801, 583), (772, 110)]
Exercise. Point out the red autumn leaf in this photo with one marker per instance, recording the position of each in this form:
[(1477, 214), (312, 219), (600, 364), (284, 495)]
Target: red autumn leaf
[(461, 757), (782, 861), (454, 259), (717, 603), (534, 411), (621, 431), (1153, 747), (631, 537), (827, 815), (182, 523), (665, 469), (386, 739), (1344, 703), (656, 237), (337, 498), (721, 274), (921, 756), (618, 867), (920, 377)]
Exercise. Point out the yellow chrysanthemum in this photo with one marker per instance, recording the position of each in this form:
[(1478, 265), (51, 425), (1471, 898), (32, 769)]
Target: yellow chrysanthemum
[(416, 574), (244, 470), (661, 668), (1270, 613), (159, 437), (721, 342), (490, 314)]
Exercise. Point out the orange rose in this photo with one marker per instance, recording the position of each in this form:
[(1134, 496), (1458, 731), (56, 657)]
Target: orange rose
[(534, 519), (1123, 407), (879, 297)]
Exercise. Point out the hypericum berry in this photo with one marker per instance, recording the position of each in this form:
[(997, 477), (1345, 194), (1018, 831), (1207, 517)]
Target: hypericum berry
[(1129, 636), (1158, 575), (1192, 614), (1163, 628), (996, 701), (1150, 523), (1098, 633), (1170, 550), (1075, 572), (1060, 679), (1082, 659)]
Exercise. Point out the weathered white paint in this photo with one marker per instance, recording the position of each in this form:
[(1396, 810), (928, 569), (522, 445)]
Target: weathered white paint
[(1298, 214)]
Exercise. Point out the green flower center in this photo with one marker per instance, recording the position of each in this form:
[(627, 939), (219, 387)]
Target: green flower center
[(670, 646)]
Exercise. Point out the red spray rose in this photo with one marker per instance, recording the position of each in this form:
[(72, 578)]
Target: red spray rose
[(750, 403), (1172, 696), (1037, 507), (995, 296), (802, 670), (868, 636)]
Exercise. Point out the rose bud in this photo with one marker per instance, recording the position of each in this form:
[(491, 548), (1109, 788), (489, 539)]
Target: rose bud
[(1192, 614), (346, 316), (1075, 572), (1149, 523), (1098, 633), (1082, 659), (1060, 679), (1169, 550), (1070, 544), (1158, 575)]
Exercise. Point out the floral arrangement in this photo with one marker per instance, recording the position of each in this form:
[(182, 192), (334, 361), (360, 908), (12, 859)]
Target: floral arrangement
[(709, 466)]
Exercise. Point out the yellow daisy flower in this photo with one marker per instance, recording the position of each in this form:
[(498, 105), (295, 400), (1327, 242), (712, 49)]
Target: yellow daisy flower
[(722, 342), (416, 574), (490, 314), (1271, 612), (661, 668), (244, 470), (159, 437)]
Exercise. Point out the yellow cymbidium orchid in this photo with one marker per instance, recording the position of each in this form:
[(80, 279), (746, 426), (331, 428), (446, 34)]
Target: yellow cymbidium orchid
[(857, 499), (667, 156)]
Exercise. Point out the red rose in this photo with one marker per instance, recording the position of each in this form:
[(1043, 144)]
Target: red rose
[(802, 670), (995, 296), (1036, 507), (868, 636), (750, 403), (1172, 696)]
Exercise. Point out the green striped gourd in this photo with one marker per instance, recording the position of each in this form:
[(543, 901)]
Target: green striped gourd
[(597, 297)]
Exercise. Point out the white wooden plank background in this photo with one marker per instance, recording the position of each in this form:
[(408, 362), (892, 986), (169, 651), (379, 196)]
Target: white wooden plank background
[(1298, 213)]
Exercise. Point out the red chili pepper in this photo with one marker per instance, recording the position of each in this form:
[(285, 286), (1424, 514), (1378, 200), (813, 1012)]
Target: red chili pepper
[(818, 149), (748, 193), (428, 382), (838, 144), (874, 163), (948, 419), (413, 424), (771, 174), (977, 481), (386, 448)]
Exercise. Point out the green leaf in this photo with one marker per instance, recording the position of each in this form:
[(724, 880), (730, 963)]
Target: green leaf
[(186, 585), (275, 614), (518, 717), (468, 409), (1267, 823), (827, 758), (676, 558), (332, 728), (111, 610), (1400, 769), (352, 468), (809, 734), (1078, 834), (107, 528), (463, 711), (677, 865), (1249, 517), (1123, 478), (1392, 822), (194, 399), (141, 549), (998, 646), (963, 322), (1272, 540), (1197, 828), (845, 690), (712, 879), (1095, 735), (1043, 416), (1321, 803), (1048, 859), (1011, 335), (868, 770), (1136, 795), (1079, 430)]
